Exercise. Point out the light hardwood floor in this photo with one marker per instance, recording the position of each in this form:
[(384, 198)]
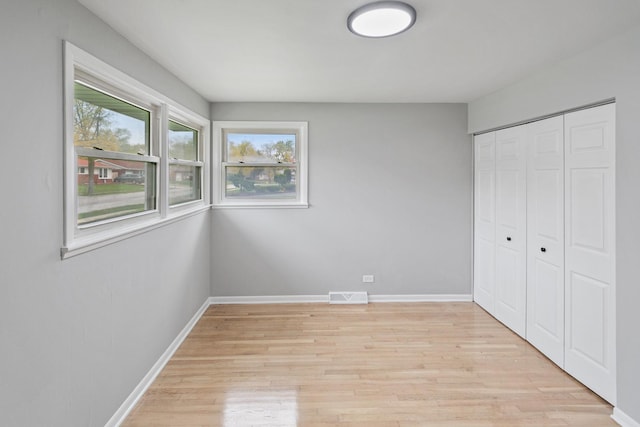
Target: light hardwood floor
[(385, 364)]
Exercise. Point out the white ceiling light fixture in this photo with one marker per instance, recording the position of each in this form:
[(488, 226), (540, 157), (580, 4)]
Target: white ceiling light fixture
[(381, 19)]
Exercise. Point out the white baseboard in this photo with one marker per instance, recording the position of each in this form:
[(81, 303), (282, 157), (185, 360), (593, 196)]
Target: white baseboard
[(623, 419), (270, 299), (421, 298), (129, 403), (285, 299)]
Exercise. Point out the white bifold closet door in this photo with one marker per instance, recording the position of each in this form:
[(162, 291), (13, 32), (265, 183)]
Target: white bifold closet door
[(511, 228), (545, 237), (484, 221), (590, 295)]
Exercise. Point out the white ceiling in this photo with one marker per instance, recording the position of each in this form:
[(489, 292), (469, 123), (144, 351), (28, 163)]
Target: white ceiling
[(301, 50)]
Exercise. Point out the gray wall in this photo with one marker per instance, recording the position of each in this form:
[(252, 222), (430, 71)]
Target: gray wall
[(390, 194), (76, 336), (606, 71)]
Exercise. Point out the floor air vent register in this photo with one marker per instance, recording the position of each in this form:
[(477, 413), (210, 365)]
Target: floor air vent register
[(348, 298)]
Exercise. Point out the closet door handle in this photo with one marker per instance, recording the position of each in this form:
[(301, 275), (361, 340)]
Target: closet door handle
[(543, 249), (508, 239)]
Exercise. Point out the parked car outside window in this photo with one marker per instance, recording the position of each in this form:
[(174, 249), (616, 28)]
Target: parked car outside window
[(130, 178)]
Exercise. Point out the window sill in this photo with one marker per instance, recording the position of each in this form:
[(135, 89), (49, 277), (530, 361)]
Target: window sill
[(89, 243), (260, 206)]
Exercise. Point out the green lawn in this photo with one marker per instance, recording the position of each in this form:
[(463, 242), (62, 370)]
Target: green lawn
[(114, 188), (97, 215)]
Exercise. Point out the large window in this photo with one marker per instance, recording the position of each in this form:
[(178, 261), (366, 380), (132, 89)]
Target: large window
[(133, 158), (112, 143), (262, 164)]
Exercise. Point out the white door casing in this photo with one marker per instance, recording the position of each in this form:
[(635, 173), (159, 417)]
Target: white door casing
[(511, 228), (545, 237), (590, 295), (484, 221)]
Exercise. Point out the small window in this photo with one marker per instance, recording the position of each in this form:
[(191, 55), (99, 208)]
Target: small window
[(262, 164), (185, 165)]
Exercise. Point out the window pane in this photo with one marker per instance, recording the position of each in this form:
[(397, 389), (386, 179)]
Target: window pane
[(183, 142), (261, 147), (102, 121), (118, 188), (271, 182), (184, 184)]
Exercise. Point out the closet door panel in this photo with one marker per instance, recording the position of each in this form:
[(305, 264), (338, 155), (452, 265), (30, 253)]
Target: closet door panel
[(484, 221), (545, 237), (509, 261), (590, 248), (510, 293), (547, 316)]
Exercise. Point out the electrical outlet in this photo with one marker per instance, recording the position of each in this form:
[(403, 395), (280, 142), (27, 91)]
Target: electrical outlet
[(368, 278)]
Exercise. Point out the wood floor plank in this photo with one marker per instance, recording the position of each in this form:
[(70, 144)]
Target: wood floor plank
[(385, 364)]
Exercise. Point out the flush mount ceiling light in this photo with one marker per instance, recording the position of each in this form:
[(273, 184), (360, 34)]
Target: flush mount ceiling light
[(381, 19)]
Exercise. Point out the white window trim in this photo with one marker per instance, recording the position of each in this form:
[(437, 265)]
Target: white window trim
[(80, 239), (302, 166)]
